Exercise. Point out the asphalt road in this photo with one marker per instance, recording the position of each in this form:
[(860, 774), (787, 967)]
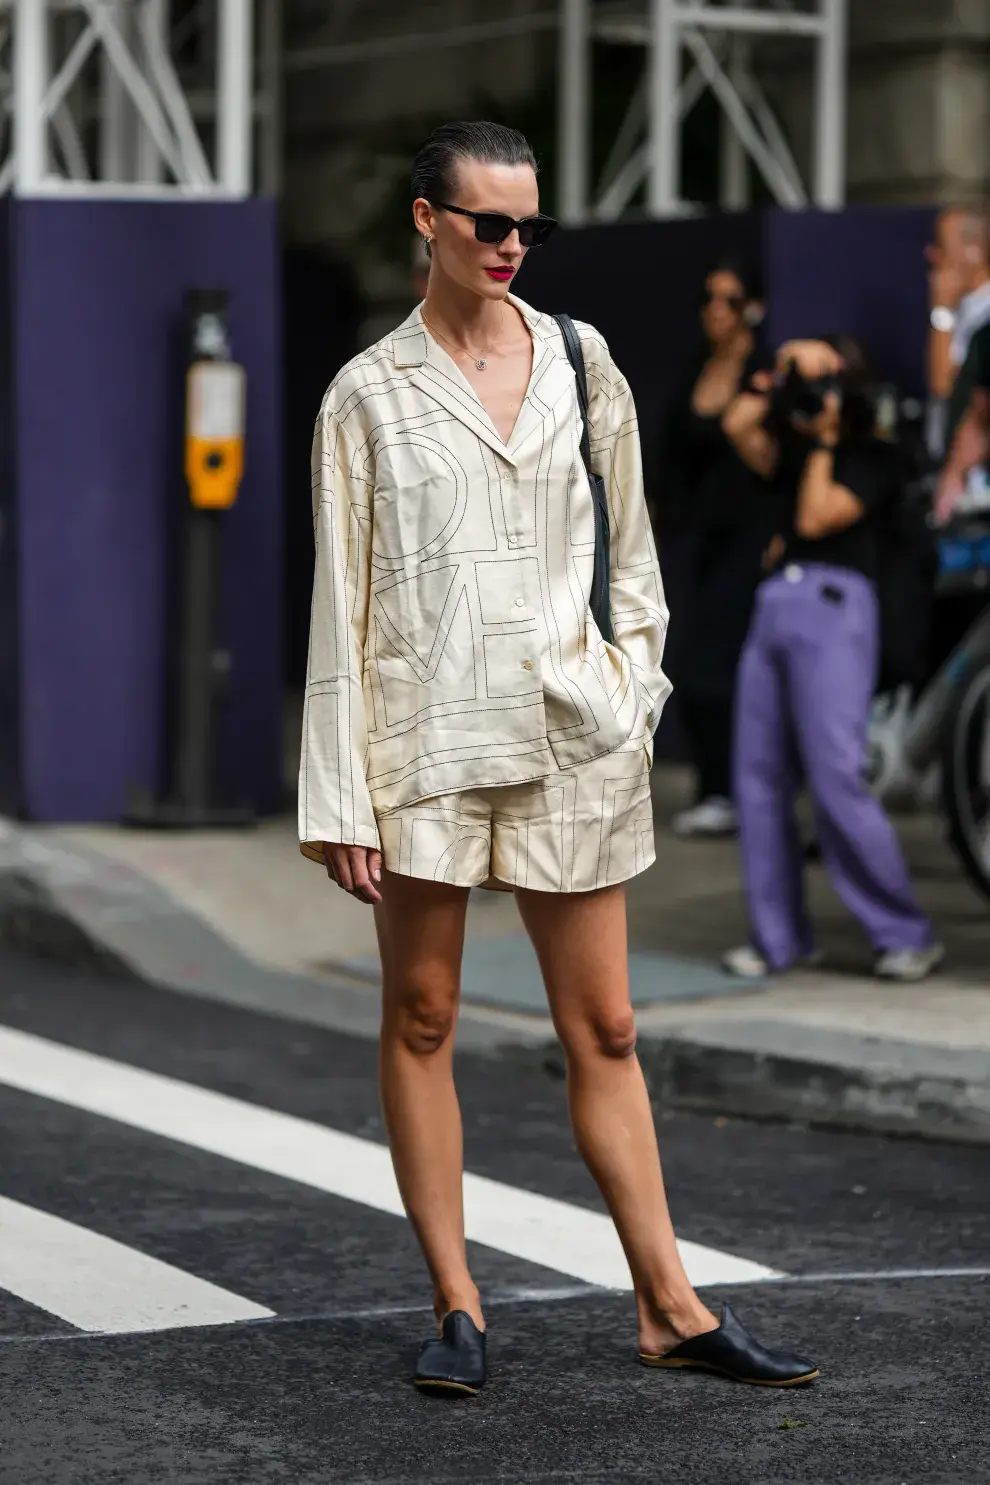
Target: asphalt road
[(870, 1234)]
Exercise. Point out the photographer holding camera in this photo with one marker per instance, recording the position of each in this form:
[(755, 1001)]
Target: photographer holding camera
[(809, 667)]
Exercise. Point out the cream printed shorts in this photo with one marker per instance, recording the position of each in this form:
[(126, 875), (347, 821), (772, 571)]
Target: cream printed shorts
[(572, 831)]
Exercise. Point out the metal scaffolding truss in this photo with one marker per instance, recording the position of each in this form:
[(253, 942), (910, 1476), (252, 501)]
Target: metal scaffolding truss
[(138, 97), (717, 41)]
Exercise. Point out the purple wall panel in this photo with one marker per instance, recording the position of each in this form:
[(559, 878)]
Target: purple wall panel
[(860, 270), (98, 292), (10, 760)]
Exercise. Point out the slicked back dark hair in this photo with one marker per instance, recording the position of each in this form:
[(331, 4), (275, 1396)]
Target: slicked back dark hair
[(435, 167), (746, 271)]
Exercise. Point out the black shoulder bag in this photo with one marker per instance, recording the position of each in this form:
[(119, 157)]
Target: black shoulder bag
[(600, 604)]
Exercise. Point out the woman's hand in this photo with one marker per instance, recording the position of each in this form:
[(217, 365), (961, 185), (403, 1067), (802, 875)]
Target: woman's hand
[(743, 425), (813, 358), (946, 282), (355, 868), (948, 494)]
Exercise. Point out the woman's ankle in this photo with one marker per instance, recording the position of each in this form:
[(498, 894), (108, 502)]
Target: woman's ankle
[(665, 1321), (458, 1297)]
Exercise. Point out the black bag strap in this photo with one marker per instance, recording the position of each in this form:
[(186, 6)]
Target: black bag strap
[(600, 597), (572, 345)]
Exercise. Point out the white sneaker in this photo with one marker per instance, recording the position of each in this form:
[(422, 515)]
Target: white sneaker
[(713, 818), (908, 965), (747, 963)]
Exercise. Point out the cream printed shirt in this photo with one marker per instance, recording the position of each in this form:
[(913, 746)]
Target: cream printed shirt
[(452, 645)]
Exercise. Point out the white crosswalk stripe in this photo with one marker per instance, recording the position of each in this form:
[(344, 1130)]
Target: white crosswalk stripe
[(543, 1230), (98, 1284)]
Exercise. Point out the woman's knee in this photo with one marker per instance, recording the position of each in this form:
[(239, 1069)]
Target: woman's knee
[(421, 1015), (605, 1033)]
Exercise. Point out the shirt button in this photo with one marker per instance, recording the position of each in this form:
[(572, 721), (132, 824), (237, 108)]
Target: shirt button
[(519, 603), (793, 573), (513, 540), (527, 665)]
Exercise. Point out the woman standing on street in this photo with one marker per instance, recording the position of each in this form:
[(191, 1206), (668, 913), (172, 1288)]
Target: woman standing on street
[(707, 491), (467, 721)]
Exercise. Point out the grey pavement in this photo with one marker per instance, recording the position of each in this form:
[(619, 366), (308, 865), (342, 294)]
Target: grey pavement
[(882, 1243), (241, 917)]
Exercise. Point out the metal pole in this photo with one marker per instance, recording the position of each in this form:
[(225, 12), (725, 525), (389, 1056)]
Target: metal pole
[(270, 163), (663, 184), (30, 86), (235, 121), (574, 110), (149, 165), (734, 167), (115, 125), (830, 106)]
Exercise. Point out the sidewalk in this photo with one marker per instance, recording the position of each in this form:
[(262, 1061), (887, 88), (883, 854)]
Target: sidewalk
[(241, 916)]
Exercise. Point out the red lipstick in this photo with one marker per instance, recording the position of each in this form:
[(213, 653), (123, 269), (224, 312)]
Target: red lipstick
[(501, 275)]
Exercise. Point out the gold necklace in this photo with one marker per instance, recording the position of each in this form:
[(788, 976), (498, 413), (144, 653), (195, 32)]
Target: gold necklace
[(481, 362)]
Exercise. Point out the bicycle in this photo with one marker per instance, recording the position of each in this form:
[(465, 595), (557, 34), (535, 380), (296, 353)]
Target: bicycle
[(934, 748)]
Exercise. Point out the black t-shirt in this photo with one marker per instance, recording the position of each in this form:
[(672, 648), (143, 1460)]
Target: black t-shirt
[(978, 358), (870, 469), (703, 485), (973, 373)]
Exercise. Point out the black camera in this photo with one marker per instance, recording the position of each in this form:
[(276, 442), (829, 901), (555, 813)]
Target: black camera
[(794, 398), (866, 407)]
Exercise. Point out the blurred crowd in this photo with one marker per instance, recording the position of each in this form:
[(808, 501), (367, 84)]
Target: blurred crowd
[(808, 495)]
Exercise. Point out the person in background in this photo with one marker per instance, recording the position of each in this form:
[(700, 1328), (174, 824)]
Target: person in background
[(970, 449), (959, 291), (959, 304), (707, 490), (809, 668)]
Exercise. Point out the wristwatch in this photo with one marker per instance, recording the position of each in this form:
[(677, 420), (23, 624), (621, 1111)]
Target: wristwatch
[(942, 317)]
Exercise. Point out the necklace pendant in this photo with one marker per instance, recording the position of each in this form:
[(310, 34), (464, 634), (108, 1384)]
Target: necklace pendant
[(481, 364)]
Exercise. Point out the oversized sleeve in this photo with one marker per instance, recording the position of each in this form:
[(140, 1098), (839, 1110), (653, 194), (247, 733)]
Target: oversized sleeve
[(639, 608), (334, 800)]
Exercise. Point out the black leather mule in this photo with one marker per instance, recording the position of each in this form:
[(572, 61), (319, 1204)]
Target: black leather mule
[(732, 1351), (455, 1361)]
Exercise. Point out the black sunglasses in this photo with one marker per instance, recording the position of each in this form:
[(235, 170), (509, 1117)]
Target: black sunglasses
[(736, 302), (494, 226)]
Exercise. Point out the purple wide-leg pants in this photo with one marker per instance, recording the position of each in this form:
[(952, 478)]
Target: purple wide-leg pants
[(803, 694)]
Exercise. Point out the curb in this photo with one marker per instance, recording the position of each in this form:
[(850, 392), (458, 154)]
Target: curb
[(84, 910), (773, 1069), (33, 921), (794, 1072)]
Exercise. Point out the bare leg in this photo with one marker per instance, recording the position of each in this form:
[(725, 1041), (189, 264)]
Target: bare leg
[(580, 940), (420, 927)]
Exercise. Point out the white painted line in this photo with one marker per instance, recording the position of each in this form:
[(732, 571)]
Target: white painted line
[(539, 1229), (883, 1276), (99, 1284), (528, 1296)]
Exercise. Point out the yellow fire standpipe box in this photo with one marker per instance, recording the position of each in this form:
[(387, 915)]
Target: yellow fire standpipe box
[(215, 395), (213, 466)]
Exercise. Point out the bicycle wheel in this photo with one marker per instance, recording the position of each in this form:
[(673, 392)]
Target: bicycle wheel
[(966, 775)]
